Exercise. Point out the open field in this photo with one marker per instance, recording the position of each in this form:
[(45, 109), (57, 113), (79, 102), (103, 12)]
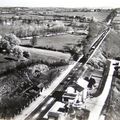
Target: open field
[(100, 16), (47, 55), (56, 42)]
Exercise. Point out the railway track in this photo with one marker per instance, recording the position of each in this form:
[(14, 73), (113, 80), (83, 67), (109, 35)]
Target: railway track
[(78, 66)]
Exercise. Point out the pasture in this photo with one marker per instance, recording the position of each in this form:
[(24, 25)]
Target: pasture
[(47, 55), (58, 42), (100, 16)]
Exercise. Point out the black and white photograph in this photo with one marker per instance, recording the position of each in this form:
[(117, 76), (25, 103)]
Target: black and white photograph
[(59, 60)]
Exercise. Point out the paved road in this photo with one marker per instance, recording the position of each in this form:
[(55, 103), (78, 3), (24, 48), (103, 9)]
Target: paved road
[(95, 105)]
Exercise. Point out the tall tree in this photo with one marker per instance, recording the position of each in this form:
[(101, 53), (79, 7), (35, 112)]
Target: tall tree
[(33, 41)]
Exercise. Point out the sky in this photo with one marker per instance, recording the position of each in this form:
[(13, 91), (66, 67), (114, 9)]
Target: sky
[(61, 3)]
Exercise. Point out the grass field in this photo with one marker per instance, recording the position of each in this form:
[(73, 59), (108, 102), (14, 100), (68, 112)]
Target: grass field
[(56, 42), (47, 55), (100, 16)]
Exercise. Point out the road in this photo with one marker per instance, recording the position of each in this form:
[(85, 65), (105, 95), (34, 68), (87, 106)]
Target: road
[(29, 111), (96, 104)]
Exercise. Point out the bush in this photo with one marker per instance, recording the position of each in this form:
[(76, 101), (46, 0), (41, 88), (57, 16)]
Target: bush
[(26, 54)]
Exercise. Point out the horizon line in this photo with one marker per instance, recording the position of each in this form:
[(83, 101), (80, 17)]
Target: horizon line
[(102, 7)]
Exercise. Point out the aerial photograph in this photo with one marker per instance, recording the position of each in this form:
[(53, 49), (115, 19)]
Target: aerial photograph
[(59, 60)]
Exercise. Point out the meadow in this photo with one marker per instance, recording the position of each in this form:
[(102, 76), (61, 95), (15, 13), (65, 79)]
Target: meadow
[(58, 42), (100, 16)]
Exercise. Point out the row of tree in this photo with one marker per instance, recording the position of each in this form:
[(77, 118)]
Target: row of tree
[(26, 30)]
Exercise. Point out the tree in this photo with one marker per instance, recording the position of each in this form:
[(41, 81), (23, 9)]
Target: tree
[(75, 56), (5, 45), (8, 42), (12, 39), (33, 41), (10, 105), (26, 54), (17, 52)]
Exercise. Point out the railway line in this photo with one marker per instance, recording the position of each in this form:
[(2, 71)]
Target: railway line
[(94, 47), (77, 69)]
